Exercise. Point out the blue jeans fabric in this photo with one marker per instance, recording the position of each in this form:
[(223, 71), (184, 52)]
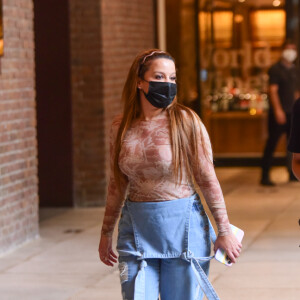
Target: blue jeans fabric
[(164, 249)]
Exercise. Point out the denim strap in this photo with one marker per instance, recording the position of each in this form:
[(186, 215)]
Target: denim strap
[(203, 281), (139, 284)]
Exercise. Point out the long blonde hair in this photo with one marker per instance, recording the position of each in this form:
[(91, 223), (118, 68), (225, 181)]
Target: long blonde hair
[(184, 137)]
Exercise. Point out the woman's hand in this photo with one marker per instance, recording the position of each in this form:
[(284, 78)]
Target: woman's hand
[(230, 244), (106, 253)]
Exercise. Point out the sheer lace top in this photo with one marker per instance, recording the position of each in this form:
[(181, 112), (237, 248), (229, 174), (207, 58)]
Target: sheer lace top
[(146, 161)]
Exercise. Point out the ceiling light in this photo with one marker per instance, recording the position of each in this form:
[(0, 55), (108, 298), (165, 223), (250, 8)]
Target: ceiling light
[(276, 3), (241, 1), (238, 18)]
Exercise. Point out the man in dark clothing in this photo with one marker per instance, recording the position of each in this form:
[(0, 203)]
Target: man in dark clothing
[(294, 142), (283, 90)]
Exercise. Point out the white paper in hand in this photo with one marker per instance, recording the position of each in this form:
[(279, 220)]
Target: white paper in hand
[(221, 255)]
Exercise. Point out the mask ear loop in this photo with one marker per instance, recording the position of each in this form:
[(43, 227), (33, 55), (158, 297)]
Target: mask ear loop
[(142, 89), (145, 81)]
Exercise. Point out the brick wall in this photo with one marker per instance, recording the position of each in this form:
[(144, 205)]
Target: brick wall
[(18, 144), (87, 103), (127, 28), (105, 37)]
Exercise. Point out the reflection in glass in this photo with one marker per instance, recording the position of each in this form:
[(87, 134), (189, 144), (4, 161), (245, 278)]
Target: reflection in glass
[(268, 26), (238, 44)]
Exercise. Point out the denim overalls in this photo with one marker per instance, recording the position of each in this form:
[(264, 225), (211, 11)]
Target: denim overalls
[(175, 231)]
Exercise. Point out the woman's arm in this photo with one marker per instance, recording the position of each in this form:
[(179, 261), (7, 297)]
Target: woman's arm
[(114, 202), (206, 178), (115, 197)]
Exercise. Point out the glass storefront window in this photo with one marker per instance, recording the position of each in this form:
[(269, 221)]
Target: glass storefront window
[(238, 43), (223, 50)]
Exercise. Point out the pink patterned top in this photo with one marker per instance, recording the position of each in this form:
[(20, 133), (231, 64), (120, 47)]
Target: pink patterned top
[(146, 160)]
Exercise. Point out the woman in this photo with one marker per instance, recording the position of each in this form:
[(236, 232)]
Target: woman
[(161, 153)]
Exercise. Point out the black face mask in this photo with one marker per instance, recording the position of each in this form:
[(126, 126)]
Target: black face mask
[(161, 94)]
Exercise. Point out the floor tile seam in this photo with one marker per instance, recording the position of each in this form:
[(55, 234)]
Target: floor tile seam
[(53, 282), (233, 187), (255, 238), (70, 210), (46, 274), (238, 181), (26, 243), (268, 225), (54, 216), (285, 210), (53, 245), (96, 223), (40, 252), (92, 285)]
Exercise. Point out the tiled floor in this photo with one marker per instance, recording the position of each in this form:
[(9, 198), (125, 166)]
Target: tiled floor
[(63, 263)]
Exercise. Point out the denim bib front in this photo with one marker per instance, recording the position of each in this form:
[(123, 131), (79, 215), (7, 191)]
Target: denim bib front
[(167, 229)]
